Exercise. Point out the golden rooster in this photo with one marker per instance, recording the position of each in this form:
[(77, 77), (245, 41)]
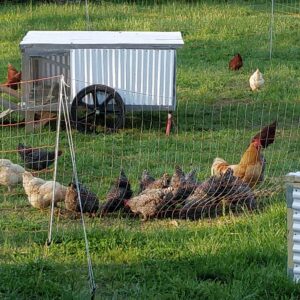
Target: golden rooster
[(251, 166)]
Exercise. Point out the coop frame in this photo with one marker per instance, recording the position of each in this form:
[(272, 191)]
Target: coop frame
[(139, 66)]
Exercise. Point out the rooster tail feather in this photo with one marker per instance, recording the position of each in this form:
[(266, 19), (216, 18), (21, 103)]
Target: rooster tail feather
[(266, 135), (219, 166)]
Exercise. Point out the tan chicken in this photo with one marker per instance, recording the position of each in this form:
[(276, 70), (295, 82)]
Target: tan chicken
[(252, 163), (10, 173), (39, 191), (256, 80)]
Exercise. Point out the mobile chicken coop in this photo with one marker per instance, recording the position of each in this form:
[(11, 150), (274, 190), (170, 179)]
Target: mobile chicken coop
[(107, 73)]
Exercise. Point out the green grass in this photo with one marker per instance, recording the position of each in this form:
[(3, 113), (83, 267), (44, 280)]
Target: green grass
[(232, 257)]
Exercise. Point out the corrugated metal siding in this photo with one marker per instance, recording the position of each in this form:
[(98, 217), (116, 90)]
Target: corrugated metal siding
[(296, 233), (142, 77)]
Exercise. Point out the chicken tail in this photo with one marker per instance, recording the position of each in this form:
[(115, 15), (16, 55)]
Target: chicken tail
[(266, 135), (219, 166)]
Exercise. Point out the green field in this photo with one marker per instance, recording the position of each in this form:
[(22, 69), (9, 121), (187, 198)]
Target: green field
[(230, 257)]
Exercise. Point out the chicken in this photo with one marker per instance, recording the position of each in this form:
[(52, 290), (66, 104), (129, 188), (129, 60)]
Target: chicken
[(256, 80), (212, 196), (40, 191), (146, 180), (252, 164), (13, 77), (147, 203), (267, 137), (120, 191), (10, 173), (149, 182), (89, 200), (36, 159), (236, 62), (182, 185)]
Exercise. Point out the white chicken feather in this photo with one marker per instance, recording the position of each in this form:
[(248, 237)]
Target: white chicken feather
[(256, 80), (10, 173), (40, 191)]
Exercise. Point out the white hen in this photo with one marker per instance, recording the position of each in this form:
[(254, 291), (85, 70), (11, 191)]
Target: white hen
[(256, 80), (39, 191), (10, 173)]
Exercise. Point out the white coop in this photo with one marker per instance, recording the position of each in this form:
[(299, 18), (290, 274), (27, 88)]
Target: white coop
[(107, 73), (293, 222)]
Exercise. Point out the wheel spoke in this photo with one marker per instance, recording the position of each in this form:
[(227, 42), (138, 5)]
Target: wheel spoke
[(87, 111), (86, 116)]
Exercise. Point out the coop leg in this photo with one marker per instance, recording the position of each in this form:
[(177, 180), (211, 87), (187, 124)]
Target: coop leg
[(169, 124), (29, 121)]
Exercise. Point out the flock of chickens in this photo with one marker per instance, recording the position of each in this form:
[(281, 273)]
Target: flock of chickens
[(256, 80), (179, 195)]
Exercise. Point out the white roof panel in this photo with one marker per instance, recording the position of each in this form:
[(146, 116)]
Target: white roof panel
[(100, 39)]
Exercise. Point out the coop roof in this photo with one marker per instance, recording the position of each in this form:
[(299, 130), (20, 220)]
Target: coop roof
[(49, 40)]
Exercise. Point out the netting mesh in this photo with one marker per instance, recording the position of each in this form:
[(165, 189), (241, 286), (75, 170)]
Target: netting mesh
[(200, 133)]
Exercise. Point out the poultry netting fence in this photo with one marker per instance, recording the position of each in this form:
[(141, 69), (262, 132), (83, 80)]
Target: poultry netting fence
[(119, 166), (137, 172)]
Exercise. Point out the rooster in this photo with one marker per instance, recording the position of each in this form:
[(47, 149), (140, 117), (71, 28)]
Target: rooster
[(236, 62), (118, 193), (256, 80), (252, 164), (36, 159), (13, 77)]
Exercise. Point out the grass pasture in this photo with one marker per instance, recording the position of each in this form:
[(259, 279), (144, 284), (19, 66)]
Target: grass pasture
[(231, 257)]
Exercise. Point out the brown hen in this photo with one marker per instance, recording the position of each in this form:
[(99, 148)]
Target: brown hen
[(236, 62)]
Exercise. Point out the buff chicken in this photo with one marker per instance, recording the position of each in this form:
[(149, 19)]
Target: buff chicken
[(256, 80), (40, 191), (10, 173), (252, 163)]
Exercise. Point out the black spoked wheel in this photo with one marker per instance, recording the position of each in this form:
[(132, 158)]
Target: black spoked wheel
[(97, 106)]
